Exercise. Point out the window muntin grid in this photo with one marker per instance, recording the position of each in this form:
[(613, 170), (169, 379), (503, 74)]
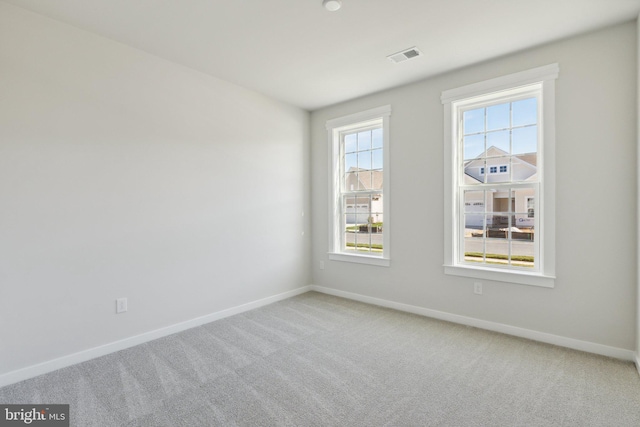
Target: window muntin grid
[(361, 190), (499, 181)]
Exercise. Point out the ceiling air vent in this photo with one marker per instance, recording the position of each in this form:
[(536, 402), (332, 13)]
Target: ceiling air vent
[(405, 55)]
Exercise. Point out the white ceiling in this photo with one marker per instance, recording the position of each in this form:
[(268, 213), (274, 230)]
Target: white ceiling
[(297, 52)]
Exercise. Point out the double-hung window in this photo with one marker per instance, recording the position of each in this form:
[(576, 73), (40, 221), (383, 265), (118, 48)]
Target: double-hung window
[(500, 225), (359, 188)]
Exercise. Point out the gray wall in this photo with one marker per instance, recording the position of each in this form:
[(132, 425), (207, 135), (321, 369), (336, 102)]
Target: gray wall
[(594, 298), (125, 175)]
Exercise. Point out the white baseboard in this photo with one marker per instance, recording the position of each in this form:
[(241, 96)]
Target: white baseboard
[(604, 350), (82, 356)]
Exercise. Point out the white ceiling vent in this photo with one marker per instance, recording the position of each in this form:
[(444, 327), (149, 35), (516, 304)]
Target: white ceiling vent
[(405, 55)]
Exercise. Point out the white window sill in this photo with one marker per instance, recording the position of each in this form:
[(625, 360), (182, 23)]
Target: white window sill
[(360, 259), (522, 278)]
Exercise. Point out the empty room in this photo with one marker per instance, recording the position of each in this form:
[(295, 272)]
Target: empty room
[(319, 213)]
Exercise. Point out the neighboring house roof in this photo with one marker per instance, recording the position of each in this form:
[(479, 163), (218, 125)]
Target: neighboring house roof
[(468, 179), (493, 151), (494, 156), (531, 158), (368, 179)]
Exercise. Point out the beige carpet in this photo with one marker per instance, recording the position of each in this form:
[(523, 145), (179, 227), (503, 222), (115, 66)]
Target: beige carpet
[(318, 360)]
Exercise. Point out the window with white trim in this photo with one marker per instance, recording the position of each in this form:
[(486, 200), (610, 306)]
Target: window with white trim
[(359, 205), (501, 225)]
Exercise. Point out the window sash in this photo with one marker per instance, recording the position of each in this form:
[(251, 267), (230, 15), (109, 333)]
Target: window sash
[(462, 226), (345, 194), (493, 99), (338, 129)]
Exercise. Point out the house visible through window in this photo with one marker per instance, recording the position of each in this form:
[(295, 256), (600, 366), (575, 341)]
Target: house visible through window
[(500, 234), (359, 147), (496, 226)]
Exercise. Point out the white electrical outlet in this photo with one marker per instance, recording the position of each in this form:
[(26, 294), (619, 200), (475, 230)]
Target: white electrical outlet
[(321, 265), (121, 305), (477, 288)]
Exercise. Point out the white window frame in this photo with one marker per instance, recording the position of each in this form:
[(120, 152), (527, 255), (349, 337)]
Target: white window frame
[(453, 100), (335, 127)]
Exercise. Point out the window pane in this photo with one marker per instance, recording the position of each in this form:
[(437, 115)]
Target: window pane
[(525, 224), (364, 160), (524, 167), (361, 211), (497, 252), (474, 201), (377, 159), (349, 204), (363, 239), (376, 135), (499, 140), (473, 146), (525, 140), (350, 161), (376, 237), (350, 240), (473, 121), (497, 248), (377, 209), (364, 140), (350, 143), (498, 169), (473, 221), (495, 222), (376, 180), (364, 179), (498, 117), (525, 112), (522, 252), (474, 172), (474, 237), (351, 181)]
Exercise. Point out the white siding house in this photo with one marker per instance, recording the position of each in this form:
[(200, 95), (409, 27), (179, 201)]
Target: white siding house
[(496, 165), (367, 208)]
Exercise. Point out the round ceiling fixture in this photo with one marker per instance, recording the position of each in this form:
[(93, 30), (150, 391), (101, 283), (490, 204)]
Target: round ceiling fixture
[(332, 5)]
